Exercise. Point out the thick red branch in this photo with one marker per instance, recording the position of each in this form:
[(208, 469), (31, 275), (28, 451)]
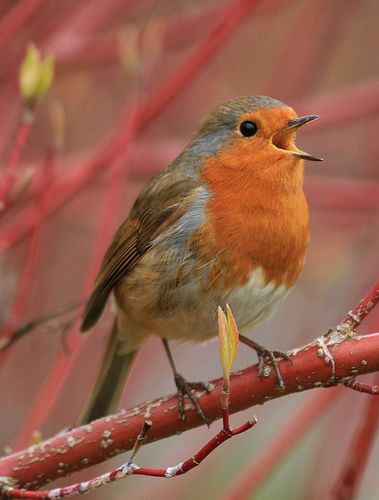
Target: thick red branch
[(85, 446)]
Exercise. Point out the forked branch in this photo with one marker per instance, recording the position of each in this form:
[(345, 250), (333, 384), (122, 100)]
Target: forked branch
[(327, 361)]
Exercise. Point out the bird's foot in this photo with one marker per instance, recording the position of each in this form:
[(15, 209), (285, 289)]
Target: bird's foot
[(188, 389), (264, 355)]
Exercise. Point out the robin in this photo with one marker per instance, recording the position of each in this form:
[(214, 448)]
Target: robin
[(225, 222)]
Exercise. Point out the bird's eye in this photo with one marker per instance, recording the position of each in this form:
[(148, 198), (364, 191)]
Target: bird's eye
[(248, 128)]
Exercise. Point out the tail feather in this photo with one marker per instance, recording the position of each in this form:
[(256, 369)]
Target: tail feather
[(106, 392)]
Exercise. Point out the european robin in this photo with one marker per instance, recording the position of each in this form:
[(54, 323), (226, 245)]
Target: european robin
[(225, 222)]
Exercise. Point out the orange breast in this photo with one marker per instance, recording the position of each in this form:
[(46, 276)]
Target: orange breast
[(257, 216)]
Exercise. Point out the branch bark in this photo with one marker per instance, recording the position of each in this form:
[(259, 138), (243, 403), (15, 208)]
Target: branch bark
[(323, 363)]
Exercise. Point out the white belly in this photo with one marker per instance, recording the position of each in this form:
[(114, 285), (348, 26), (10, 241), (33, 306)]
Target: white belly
[(250, 304), (256, 300)]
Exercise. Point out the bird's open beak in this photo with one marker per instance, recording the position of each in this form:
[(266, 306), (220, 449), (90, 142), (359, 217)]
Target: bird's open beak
[(284, 139)]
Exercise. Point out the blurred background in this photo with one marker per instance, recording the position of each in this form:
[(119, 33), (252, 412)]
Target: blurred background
[(132, 80)]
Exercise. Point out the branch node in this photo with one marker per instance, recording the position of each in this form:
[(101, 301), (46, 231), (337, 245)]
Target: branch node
[(173, 471), (324, 352)]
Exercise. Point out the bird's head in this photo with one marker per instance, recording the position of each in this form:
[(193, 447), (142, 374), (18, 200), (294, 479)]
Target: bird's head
[(253, 133)]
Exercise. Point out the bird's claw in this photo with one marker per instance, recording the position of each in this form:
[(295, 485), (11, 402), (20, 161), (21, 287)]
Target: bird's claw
[(188, 389), (265, 354)]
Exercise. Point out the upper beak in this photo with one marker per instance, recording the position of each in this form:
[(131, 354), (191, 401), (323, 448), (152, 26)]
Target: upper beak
[(283, 138)]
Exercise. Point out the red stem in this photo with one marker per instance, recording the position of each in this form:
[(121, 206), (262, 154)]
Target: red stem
[(131, 468), (307, 371), (13, 166), (359, 451), (373, 390), (247, 484), (29, 267), (355, 317)]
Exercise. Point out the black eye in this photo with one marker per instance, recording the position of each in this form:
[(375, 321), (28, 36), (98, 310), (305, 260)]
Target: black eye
[(248, 129)]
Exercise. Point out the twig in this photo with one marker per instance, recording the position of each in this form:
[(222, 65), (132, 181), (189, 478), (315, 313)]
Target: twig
[(355, 317), (359, 451), (5, 343), (247, 484), (130, 468), (373, 390), (13, 166)]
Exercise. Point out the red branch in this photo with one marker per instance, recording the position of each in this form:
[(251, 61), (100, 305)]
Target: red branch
[(355, 317), (373, 390), (326, 361), (13, 166), (247, 484), (130, 468), (358, 454), (252, 478), (29, 266), (85, 446)]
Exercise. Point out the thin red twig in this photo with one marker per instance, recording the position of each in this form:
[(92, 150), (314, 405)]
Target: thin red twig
[(371, 389), (355, 317), (359, 451), (29, 267), (14, 164), (177, 31), (247, 484), (130, 468)]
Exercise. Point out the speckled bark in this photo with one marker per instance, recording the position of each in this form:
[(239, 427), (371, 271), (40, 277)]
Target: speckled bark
[(322, 363)]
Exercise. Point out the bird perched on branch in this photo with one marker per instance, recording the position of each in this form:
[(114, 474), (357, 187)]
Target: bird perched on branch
[(225, 222)]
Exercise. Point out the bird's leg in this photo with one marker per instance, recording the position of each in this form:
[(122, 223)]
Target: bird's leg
[(186, 388), (264, 353)]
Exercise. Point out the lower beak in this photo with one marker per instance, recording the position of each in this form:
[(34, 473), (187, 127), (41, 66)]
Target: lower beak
[(283, 139)]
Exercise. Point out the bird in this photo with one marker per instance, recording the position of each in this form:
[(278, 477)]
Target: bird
[(226, 222)]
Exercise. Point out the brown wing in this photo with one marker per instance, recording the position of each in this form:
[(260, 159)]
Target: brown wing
[(151, 214)]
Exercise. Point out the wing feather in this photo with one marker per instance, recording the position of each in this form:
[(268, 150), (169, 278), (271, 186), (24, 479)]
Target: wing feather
[(133, 239)]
